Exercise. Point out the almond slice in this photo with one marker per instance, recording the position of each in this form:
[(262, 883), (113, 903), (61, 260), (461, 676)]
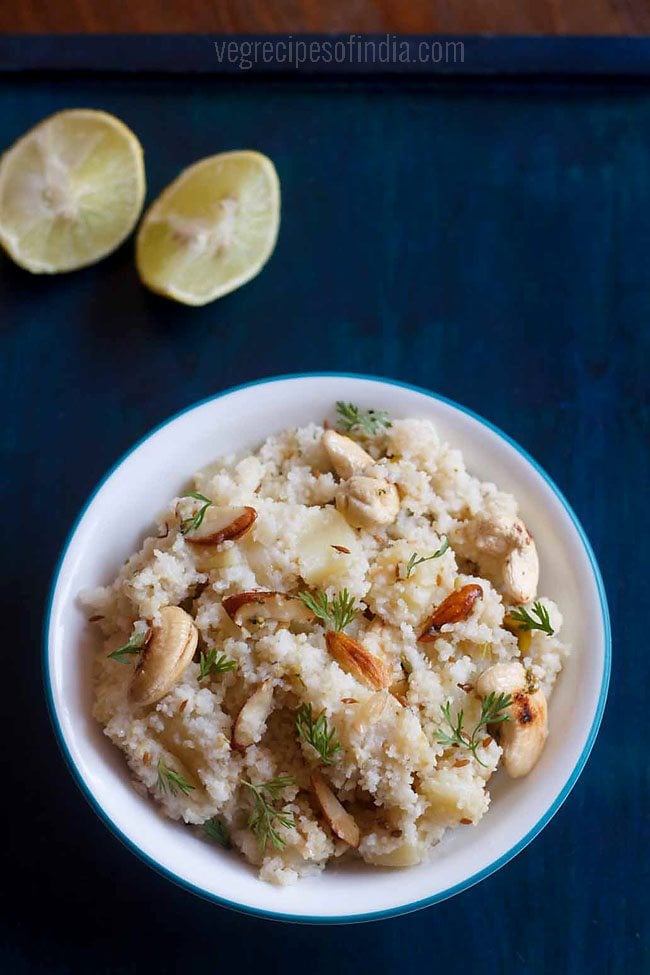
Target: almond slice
[(358, 661), (454, 609), (222, 524), (164, 657), (338, 818), (250, 723), (259, 604)]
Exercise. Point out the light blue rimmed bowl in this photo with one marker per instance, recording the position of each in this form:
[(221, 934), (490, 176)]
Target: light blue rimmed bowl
[(120, 512)]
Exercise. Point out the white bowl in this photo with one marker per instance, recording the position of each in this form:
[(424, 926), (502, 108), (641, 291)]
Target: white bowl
[(112, 525)]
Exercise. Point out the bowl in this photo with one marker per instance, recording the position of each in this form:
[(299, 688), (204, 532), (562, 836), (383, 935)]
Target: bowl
[(112, 525)]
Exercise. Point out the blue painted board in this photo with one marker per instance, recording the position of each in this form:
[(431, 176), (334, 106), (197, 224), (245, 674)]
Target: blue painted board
[(335, 54), (489, 244)]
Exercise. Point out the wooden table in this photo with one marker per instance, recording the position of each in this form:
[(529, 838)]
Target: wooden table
[(262, 16)]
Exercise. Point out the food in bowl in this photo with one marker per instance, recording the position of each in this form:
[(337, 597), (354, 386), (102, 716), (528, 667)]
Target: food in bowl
[(329, 647)]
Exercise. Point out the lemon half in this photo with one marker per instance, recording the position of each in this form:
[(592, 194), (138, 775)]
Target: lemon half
[(212, 229), (71, 190)]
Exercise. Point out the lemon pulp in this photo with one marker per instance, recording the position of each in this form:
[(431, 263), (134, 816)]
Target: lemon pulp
[(71, 190), (212, 229)]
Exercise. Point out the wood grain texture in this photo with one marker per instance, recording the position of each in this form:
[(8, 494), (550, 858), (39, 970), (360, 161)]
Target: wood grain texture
[(295, 16), (490, 245)]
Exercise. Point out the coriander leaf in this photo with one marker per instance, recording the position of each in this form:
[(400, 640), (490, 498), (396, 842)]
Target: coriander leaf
[(170, 781), (527, 622), (214, 663), (217, 831), (275, 786), (493, 711), (265, 818), (370, 422), (317, 734), (336, 613), (416, 559), (135, 644), (196, 520)]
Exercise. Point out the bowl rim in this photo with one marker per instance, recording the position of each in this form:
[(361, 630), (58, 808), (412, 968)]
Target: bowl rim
[(373, 915)]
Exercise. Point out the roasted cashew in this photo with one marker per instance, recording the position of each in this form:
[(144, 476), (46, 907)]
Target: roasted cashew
[(521, 573), (500, 536), (368, 502), (165, 657), (523, 737), (345, 455), (501, 679)]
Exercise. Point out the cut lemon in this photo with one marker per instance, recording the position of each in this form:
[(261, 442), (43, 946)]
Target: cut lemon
[(71, 190), (212, 229)]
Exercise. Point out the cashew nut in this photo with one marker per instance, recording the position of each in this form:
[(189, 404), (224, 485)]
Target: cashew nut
[(524, 736), (521, 573), (165, 657), (368, 502), (496, 532), (498, 535), (501, 679), (345, 455)]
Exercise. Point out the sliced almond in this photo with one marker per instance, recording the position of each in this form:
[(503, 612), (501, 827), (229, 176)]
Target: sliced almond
[(338, 818), (165, 657), (356, 660), (260, 605), (250, 723), (454, 609), (222, 524)]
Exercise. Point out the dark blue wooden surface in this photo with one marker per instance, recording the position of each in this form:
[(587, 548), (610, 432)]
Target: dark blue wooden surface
[(453, 57), (490, 245)]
